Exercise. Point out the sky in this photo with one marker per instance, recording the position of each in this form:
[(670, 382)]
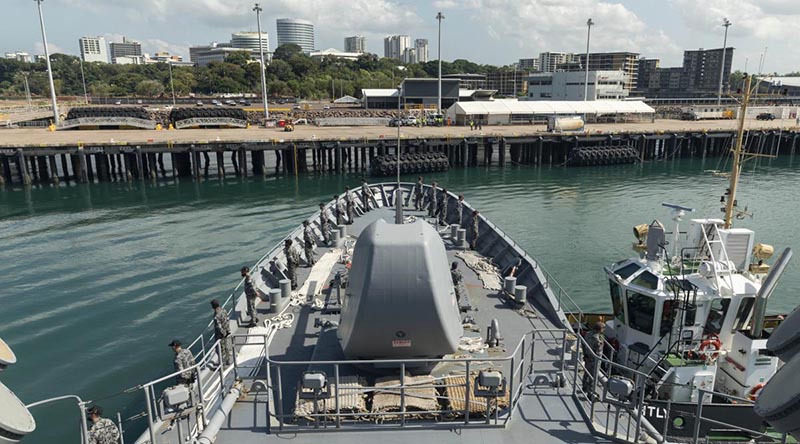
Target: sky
[(497, 32)]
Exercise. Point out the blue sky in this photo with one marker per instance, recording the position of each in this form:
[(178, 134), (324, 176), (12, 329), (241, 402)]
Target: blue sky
[(486, 31)]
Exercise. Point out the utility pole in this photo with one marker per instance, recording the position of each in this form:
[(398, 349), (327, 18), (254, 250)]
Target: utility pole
[(258, 10), (171, 83), (440, 17), (726, 23), (589, 24), (56, 118)]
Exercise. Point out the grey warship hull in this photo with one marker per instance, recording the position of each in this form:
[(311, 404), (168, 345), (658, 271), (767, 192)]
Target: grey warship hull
[(261, 399)]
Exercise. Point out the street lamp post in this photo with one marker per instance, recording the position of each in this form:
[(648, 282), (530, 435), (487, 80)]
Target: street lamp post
[(258, 10), (726, 23), (56, 119), (171, 83), (589, 24), (440, 17)]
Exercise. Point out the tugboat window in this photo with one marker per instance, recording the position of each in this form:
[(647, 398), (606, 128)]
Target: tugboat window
[(646, 280), (616, 301), (742, 314), (641, 312), (627, 271), (716, 316)]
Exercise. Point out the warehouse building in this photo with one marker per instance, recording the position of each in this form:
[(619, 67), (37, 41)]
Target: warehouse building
[(603, 85)]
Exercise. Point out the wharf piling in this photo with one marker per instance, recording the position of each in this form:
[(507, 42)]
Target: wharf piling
[(39, 165)]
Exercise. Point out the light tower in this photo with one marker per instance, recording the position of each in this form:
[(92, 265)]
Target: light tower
[(56, 119), (589, 24), (440, 17), (258, 10), (726, 23)]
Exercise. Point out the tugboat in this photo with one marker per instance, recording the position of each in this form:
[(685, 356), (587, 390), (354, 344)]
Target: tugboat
[(689, 312)]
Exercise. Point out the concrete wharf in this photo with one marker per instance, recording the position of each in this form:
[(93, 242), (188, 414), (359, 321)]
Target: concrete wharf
[(38, 156)]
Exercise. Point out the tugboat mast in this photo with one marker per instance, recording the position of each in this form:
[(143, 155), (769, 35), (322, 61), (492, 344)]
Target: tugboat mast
[(737, 156)]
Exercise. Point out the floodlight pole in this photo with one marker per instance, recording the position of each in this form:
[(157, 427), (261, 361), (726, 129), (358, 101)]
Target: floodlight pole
[(56, 119), (726, 23), (258, 10), (440, 17), (589, 24)]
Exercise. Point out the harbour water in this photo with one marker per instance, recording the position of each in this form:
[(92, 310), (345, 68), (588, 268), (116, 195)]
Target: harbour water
[(97, 279)]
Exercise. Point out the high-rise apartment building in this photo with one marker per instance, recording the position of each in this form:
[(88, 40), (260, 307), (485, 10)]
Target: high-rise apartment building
[(394, 46), (627, 62), (701, 70), (528, 64), (297, 31), (126, 48), (355, 44), (421, 49), (550, 61), (93, 49)]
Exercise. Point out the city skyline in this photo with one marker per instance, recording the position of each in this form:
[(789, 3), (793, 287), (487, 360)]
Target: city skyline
[(497, 32)]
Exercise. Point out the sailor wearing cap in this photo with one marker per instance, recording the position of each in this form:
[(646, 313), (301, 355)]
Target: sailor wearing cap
[(103, 430), (183, 363)]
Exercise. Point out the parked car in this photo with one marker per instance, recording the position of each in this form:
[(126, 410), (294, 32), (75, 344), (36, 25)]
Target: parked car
[(230, 102), (410, 121), (765, 116), (394, 121), (326, 107), (118, 102), (199, 103)]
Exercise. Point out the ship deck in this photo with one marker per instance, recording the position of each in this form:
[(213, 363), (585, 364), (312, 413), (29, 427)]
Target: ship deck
[(533, 357)]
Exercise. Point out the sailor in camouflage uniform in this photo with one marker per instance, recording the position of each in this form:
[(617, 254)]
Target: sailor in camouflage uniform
[(441, 210), (341, 210), (183, 361), (324, 226), (432, 201), (418, 190), (308, 244), (250, 293), (460, 208), (473, 230), (367, 196), (457, 278), (222, 332), (595, 343), (103, 430), (350, 205), (292, 261)]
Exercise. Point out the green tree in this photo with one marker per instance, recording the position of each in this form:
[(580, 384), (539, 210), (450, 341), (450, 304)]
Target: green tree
[(241, 58), (287, 51), (149, 88)]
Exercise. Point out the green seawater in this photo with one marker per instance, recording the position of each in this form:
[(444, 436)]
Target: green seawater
[(96, 279)]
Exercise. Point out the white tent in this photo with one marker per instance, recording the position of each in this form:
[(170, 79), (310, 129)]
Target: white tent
[(500, 112)]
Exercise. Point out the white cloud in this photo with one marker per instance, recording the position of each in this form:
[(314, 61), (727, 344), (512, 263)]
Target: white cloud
[(755, 24), (553, 25), (38, 48), (353, 16)]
